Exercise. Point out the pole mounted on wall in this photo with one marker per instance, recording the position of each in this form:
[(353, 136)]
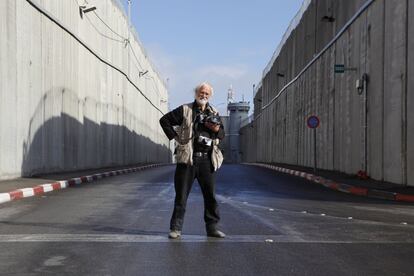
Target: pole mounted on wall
[(313, 123), (328, 18), (85, 9), (143, 73)]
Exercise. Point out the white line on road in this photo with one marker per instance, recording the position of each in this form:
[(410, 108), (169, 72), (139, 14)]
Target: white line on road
[(125, 238), (236, 203)]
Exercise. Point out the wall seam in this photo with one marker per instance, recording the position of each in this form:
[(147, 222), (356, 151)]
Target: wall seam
[(383, 91), (405, 104)]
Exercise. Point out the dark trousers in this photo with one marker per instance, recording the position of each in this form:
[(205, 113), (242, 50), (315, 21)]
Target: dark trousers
[(203, 171)]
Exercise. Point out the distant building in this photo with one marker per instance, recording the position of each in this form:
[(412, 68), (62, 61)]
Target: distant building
[(237, 114)]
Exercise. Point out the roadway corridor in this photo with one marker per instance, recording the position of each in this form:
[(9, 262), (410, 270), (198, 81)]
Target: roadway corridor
[(276, 224)]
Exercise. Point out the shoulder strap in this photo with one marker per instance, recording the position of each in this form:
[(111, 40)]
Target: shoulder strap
[(213, 109)]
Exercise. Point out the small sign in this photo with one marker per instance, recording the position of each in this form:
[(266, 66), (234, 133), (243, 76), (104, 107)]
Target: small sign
[(339, 68), (313, 121)]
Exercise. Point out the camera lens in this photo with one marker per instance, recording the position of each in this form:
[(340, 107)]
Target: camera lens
[(214, 119)]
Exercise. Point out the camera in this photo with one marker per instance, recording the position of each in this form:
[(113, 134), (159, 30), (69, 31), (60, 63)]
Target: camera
[(205, 141), (201, 118), (214, 119)]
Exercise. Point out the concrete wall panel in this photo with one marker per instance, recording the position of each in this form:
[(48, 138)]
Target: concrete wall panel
[(325, 23), (63, 109), (410, 96), (394, 88), (299, 48), (308, 21), (8, 84), (375, 60), (356, 108)]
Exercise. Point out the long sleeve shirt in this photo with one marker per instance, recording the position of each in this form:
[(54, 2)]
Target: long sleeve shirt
[(175, 118)]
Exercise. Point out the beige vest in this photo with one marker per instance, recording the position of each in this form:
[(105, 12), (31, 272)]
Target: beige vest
[(184, 150)]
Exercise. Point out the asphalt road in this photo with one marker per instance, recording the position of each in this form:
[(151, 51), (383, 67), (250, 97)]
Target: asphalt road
[(276, 225)]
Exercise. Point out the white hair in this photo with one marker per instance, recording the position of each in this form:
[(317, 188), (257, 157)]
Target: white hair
[(204, 84)]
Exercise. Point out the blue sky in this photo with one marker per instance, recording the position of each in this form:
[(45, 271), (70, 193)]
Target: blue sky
[(225, 42)]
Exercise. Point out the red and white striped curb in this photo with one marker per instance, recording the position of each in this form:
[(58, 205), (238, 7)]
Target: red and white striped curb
[(345, 188), (45, 188)]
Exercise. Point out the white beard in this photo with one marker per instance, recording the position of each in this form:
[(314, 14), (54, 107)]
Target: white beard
[(201, 101)]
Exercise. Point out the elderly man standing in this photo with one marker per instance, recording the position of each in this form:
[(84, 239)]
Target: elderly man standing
[(198, 133)]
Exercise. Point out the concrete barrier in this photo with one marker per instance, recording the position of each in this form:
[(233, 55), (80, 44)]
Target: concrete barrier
[(371, 130), (71, 93)]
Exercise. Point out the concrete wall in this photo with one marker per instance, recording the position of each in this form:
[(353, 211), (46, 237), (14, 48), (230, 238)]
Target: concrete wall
[(375, 44), (61, 108), (410, 94)]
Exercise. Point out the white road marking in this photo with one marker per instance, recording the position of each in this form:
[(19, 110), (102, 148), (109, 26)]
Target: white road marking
[(126, 238), (238, 204), (54, 261)]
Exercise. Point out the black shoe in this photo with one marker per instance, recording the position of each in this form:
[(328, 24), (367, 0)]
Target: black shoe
[(216, 234)]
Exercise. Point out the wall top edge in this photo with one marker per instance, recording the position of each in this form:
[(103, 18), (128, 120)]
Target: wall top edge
[(135, 35), (292, 26)]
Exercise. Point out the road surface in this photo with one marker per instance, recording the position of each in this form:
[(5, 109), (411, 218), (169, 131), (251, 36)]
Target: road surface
[(276, 224)]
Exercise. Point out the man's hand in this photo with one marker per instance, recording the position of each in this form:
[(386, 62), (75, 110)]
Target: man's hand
[(212, 127)]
